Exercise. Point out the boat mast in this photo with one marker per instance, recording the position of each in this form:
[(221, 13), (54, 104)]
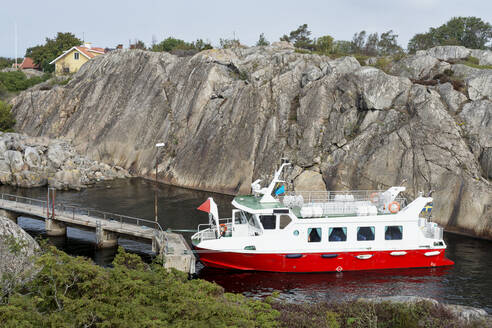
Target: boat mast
[(267, 192)]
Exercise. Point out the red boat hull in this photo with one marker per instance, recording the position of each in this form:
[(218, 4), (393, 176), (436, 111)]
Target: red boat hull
[(322, 262)]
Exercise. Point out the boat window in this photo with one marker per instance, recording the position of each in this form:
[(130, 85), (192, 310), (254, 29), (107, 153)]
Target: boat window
[(268, 221), (296, 232), (241, 217), (393, 233), (337, 234), (365, 233), (252, 221), (284, 221), (314, 235)]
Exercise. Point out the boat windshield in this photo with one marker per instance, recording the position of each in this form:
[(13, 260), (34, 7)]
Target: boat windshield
[(242, 217)]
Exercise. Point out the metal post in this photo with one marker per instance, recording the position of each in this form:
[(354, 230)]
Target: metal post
[(54, 196), (155, 191), (48, 203), (158, 145)]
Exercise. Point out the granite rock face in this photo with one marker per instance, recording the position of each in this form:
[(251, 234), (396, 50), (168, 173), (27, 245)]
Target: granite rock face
[(228, 116), (466, 314), (34, 162), (17, 256)]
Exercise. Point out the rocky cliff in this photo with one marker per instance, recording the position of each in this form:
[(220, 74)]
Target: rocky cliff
[(228, 116), (39, 161)]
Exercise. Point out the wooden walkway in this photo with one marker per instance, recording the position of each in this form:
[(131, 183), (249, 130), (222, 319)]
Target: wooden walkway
[(107, 226)]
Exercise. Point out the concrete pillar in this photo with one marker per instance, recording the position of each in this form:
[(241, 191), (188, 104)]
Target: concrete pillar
[(55, 228), (106, 239), (9, 215)]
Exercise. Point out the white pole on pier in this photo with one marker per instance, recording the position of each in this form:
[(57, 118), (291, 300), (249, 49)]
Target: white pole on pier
[(15, 41), (158, 145)]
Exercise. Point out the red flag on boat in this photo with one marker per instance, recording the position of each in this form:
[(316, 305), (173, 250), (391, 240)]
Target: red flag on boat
[(205, 206)]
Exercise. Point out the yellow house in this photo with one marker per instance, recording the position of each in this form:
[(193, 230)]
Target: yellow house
[(71, 60)]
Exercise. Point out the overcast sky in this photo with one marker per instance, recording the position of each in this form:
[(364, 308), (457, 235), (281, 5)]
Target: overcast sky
[(107, 23)]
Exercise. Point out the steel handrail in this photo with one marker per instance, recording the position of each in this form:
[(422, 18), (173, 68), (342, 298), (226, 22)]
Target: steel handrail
[(88, 210)]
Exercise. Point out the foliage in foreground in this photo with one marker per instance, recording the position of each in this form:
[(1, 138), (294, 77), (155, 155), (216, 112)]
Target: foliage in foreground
[(74, 292)]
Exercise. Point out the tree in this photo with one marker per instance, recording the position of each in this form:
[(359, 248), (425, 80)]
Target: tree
[(44, 54), (342, 47), (180, 47), (7, 62), (371, 45), (300, 38), (262, 41), (200, 45), (229, 43), (358, 41), (388, 45), (139, 44), (470, 32), (324, 44), (420, 41), (169, 44)]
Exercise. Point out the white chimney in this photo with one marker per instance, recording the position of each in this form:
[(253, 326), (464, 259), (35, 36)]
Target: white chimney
[(87, 45)]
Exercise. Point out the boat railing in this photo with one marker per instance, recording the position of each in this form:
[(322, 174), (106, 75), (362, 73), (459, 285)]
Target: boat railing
[(339, 196), (360, 202), (432, 230), (207, 231)]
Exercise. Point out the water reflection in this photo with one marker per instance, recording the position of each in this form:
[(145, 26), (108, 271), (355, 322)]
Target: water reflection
[(333, 286)]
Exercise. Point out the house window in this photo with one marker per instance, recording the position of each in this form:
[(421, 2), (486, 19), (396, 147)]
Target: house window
[(337, 234), (393, 233), (268, 221), (76, 55), (66, 70), (365, 233), (314, 235), (284, 221)]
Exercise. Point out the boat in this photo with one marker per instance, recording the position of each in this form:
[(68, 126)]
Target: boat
[(321, 231)]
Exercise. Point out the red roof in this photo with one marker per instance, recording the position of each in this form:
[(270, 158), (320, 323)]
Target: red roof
[(90, 52), (28, 63)]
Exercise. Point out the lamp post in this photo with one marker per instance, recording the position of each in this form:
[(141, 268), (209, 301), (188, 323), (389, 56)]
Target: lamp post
[(158, 145)]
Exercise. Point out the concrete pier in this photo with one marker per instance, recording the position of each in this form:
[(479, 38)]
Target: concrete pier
[(107, 227), (55, 228), (106, 239), (178, 254)]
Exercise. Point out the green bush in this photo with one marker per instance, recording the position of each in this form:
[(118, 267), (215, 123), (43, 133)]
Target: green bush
[(361, 59), (171, 44), (475, 63), (383, 64), (74, 292), (7, 121), (18, 81)]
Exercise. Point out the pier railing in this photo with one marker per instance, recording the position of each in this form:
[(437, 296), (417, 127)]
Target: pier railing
[(76, 212)]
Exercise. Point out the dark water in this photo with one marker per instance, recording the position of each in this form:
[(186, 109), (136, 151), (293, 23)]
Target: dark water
[(468, 282)]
